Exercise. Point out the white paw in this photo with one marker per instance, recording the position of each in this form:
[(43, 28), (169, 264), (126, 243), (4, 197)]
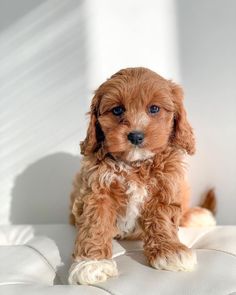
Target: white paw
[(179, 261), (92, 271)]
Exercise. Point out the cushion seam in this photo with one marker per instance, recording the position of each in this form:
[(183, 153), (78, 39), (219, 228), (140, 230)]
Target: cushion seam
[(44, 258), (217, 250)]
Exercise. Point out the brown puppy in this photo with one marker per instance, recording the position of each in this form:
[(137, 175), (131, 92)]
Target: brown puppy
[(132, 180)]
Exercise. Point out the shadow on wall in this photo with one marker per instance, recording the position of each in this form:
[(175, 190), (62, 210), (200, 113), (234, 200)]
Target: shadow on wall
[(44, 85), (41, 192), (16, 10)]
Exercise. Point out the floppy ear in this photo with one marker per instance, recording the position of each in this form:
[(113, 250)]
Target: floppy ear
[(183, 136), (95, 135)]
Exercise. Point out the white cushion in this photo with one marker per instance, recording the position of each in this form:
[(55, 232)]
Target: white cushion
[(55, 290), (30, 261), (26, 258)]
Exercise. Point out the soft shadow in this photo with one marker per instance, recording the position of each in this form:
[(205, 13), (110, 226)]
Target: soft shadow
[(44, 93), (138, 256), (15, 10), (134, 250), (41, 193)]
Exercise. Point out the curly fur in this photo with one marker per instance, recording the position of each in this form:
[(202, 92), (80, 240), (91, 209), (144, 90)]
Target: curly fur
[(127, 191)]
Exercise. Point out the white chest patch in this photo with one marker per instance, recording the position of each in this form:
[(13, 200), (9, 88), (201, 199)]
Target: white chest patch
[(136, 195)]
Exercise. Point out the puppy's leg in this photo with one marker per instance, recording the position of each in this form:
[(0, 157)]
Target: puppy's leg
[(93, 246), (161, 244)]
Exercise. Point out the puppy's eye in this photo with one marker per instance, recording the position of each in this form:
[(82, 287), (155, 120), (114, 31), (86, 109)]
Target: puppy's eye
[(118, 111), (153, 109)]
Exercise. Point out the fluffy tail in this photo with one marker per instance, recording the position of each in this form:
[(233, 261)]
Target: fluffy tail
[(202, 215), (209, 201)]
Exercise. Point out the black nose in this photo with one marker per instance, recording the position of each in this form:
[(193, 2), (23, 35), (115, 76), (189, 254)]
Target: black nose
[(136, 137)]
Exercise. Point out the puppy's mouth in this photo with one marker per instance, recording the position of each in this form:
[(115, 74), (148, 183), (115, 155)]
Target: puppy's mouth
[(139, 154), (131, 152), (130, 147), (138, 150)]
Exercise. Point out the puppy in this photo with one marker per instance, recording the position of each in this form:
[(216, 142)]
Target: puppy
[(132, 181)]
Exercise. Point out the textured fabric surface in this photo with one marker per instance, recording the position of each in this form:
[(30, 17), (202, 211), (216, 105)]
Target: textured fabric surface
[(55, 290), (29, 254), (33, 262)]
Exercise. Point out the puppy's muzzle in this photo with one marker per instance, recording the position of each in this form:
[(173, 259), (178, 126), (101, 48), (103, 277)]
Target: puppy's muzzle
[(136, 137)]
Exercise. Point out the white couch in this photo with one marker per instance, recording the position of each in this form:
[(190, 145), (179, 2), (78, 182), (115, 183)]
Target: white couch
[(35, 260)]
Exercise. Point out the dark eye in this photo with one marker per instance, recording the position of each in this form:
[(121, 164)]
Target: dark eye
[(118, 111), (153, 109)]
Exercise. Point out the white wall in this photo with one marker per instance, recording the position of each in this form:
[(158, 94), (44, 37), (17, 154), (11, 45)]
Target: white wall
[(125, 33), (54, 53), (43, 97), (207, 47)]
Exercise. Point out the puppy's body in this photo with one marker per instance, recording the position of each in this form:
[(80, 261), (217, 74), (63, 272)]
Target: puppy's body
[(129, 186), (132, 181)]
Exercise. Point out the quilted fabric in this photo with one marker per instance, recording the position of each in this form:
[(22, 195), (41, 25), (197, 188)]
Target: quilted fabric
[(36, 259)]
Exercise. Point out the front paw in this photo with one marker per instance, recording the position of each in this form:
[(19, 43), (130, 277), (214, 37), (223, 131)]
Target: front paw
[(91, 271), (173, 257)]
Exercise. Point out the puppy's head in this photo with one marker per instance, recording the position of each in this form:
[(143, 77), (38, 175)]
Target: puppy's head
[(136, 114)]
